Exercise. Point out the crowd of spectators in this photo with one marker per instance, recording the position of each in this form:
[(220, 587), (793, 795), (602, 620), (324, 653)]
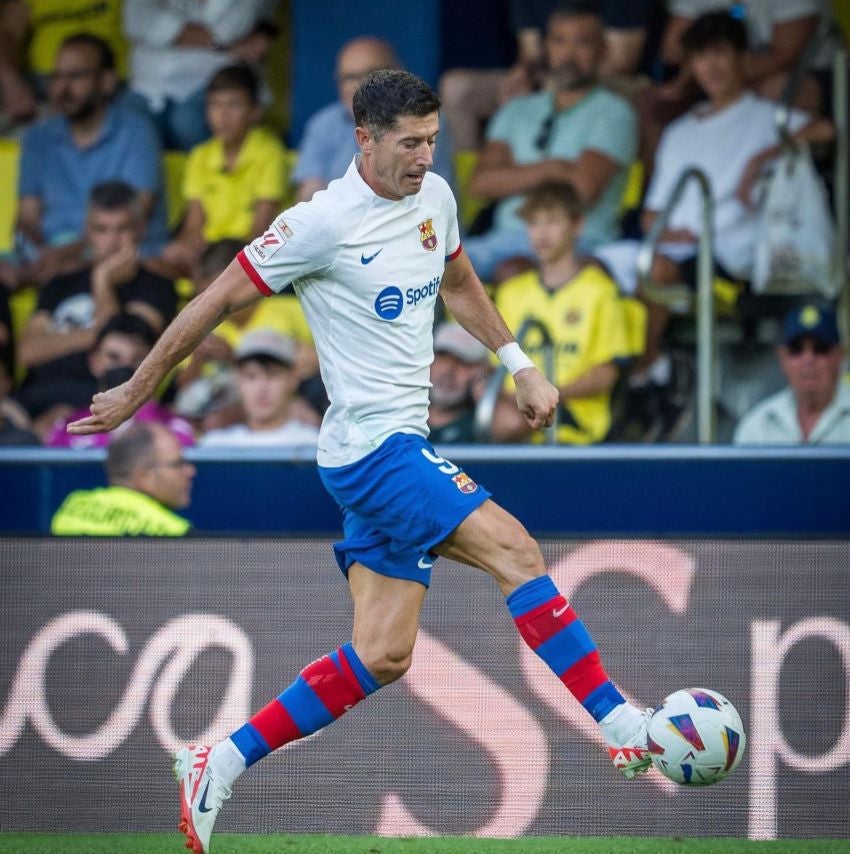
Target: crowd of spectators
[(599, 92)]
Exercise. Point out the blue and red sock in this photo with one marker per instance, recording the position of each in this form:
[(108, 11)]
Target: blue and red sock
[(323, 692), (551, 628)]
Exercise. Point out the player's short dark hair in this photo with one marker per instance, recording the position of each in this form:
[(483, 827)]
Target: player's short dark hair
[(105, 54), (713, 29), (218, 255), (386, 95), (113, 196), (553, 195), (131, 325), (238, 77), (130, 447)]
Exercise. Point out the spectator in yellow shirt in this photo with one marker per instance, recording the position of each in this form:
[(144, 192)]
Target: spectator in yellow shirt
[(234, 183), (580, 307)]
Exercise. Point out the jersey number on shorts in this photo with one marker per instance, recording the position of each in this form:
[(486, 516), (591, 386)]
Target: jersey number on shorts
[(444, 465)]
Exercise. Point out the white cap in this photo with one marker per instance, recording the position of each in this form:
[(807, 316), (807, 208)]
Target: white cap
[(453, 338), (266, 342)]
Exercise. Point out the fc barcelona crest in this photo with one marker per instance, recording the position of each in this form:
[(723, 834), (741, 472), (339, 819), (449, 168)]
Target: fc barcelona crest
[(465, 483), (427, 235)]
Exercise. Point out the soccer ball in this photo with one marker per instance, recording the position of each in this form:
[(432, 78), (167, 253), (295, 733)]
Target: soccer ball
[(696, 737)]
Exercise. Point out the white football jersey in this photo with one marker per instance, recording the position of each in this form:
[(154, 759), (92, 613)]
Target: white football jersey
[(367, 271)]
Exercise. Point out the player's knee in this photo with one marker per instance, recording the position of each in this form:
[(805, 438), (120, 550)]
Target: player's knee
[(387, 664), (520, 558), (527, 555)]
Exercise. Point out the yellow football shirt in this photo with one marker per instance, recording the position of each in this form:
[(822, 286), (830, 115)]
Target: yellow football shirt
[(52, 21), (228, 197), (586, 322)]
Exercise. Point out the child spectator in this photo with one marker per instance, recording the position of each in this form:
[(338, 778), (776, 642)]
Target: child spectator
[(235, 182), (731, 137), (205, 384), (582, 311), (267, 384)]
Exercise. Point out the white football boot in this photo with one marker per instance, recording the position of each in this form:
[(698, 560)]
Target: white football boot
[(624, 730), (201, 796)]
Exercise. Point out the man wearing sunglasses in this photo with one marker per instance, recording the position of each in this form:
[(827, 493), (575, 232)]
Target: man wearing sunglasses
[(815, 407), (573, 132), (149, 478)]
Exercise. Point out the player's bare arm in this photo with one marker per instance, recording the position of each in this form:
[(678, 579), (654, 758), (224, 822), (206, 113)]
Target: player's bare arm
[(231, 291), (466, 299)]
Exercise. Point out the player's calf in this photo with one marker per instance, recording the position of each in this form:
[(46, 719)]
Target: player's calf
[(550, 626)]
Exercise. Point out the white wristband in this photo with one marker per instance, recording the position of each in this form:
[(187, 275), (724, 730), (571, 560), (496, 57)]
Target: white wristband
[(513, 358)]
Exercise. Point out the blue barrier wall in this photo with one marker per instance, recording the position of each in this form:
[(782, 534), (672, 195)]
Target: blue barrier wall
[(607, 491)]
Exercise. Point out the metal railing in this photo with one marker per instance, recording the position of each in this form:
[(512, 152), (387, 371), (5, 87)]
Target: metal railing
[(486, 408), (680, 298)]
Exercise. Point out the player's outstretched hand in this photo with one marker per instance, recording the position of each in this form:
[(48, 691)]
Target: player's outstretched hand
[(536, 397), (108, 409)]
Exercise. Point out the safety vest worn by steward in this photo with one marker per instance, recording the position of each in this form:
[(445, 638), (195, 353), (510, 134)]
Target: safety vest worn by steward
[(115, 511)]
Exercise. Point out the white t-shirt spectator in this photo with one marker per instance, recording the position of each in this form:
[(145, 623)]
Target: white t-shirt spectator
[(721, 144), (159, 69), (241, 436)]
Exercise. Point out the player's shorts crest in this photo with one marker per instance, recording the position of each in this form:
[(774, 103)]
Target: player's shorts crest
[(427, 236), (465, 483)]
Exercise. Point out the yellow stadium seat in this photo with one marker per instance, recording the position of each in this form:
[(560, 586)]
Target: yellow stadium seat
[(174, 166), (469, 206), (10, 150)]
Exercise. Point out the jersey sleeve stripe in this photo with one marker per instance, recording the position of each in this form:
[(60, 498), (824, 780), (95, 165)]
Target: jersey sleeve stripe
[(455, 253), (253, 275)]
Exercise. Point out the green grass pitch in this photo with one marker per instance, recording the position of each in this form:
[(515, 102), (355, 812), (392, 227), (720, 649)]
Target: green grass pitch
[(171, 843)]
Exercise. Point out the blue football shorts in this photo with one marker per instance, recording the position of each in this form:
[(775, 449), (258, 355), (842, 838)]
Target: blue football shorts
[(397, 503)]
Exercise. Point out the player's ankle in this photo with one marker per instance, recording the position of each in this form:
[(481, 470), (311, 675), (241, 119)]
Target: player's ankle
[(226, 762)]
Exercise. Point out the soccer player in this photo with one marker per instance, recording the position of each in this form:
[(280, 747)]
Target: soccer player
[(367, 258)]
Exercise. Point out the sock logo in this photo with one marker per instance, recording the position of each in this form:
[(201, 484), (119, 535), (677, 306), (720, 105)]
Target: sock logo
[(557, 612)]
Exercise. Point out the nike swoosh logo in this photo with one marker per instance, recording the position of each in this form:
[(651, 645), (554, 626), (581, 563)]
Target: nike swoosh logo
[(423, 564), (202, 807), (557, 612), (371, 258)]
